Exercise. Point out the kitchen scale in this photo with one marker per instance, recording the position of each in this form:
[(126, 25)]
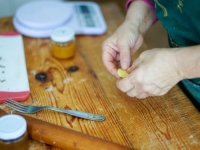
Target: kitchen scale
[(38, 18)]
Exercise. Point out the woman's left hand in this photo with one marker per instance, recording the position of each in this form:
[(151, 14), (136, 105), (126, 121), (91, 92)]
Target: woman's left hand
[(153, 73)]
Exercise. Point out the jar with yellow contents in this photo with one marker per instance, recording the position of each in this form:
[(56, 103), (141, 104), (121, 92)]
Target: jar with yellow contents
[(13, 133), (63, 43)]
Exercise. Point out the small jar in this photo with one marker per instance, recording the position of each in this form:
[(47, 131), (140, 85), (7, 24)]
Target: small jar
[(13, 133), (63, 43)]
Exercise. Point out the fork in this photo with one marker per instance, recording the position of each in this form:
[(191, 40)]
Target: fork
[(28, 109)]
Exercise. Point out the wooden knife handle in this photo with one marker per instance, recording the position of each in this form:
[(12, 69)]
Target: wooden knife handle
[(65, 138)]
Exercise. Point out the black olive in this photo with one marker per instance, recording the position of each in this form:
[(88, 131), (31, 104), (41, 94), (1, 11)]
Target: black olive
[(41, 76), (72, 69)]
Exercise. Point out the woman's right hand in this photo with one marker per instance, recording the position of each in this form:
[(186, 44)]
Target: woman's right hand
[(127, 39), (118, 48)]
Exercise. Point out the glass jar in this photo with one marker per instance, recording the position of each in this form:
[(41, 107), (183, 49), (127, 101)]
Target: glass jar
[(13, 133), (63, 43)]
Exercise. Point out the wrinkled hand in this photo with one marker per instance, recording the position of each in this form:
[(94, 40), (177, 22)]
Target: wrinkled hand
[(118, 49), (154, 73)]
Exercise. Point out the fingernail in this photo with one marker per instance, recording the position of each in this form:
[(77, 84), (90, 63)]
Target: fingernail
[(124, 65)]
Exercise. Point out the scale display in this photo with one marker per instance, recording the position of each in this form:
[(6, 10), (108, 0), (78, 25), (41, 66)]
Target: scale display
[(38, 19)]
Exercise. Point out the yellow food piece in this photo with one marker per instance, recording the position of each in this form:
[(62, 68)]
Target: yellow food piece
[(122, 73)]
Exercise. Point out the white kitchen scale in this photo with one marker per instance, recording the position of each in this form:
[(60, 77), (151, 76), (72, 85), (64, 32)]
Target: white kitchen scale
[(38, 18)]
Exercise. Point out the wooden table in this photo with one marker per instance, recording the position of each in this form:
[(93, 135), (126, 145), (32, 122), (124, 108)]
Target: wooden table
[(166, 122)]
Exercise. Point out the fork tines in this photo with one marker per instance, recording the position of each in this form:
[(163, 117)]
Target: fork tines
[(14, 105)]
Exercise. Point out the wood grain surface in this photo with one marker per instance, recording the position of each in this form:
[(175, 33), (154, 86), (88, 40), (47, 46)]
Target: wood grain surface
[(166, 122)]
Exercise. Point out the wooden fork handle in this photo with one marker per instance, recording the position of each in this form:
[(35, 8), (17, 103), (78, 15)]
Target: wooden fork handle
[(65, 138)]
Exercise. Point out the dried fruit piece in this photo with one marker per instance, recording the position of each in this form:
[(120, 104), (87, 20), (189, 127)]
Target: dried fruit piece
[(122, 73), (41, 76)]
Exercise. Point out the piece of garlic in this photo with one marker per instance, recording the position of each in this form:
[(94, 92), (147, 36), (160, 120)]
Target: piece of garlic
[(122, 73)]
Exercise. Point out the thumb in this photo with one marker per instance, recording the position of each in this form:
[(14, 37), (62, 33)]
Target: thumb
[(125, 55), (134, 65), (126, 44)]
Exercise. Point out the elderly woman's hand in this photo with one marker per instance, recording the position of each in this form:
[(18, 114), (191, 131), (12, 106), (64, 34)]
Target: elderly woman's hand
[(154, 73)]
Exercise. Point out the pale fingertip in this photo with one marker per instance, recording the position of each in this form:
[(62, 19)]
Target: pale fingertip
[(131, 94), (141, 96), (124, 65)]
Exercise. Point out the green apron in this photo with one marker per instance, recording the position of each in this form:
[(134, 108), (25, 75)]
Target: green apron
[(181, 20)]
